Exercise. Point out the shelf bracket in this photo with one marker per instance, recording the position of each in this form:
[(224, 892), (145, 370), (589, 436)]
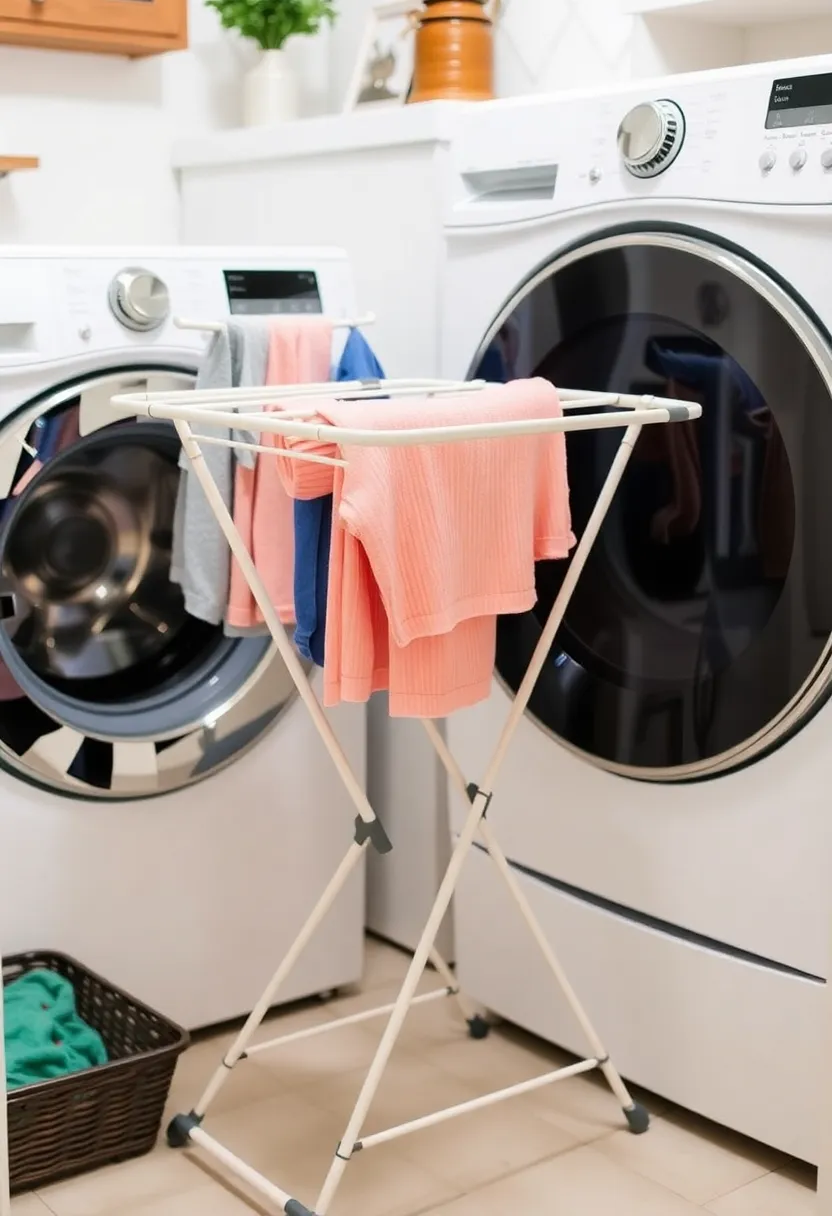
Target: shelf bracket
[(13, 164)]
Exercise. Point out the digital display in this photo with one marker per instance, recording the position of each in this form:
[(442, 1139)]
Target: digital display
[(272, 292), (800, 101)]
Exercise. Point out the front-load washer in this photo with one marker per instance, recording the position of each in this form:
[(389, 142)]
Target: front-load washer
[(665, 800), (167, 810)]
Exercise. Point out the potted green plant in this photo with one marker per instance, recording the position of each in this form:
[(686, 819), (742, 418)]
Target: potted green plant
[(271, 86)]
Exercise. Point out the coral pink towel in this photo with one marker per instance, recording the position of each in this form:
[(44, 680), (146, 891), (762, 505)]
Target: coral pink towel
[(299, 353), (430, 543), (452, 531)]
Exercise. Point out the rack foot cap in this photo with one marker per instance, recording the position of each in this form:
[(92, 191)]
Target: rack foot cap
[(638, 1118), (180, 1128), (478, 1028)]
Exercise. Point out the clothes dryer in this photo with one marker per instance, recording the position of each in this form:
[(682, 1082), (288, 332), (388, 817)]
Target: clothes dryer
[(167, 810), (665, 802)]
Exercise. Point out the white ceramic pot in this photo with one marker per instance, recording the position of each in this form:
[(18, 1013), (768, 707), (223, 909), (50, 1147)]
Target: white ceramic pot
[(271, 91)]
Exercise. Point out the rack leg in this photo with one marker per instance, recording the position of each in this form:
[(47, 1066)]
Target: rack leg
[(181, 1127), (346, 1148), (371, 824), (636, 1116)]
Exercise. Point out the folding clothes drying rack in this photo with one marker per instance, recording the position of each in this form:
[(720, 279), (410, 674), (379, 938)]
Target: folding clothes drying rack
[(228, 409)]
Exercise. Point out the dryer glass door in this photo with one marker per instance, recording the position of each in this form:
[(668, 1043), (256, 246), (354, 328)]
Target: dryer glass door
[(699, 634), (108, 687)]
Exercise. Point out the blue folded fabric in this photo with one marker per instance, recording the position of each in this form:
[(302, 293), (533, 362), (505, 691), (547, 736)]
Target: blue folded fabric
[(313, 524)]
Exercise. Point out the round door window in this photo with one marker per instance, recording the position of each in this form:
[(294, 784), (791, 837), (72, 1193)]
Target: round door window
[(699, 633), (108, 687)]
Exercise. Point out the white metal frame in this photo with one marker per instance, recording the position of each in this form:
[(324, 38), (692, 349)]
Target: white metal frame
[(377, 16), (220, 327), (223, 408)]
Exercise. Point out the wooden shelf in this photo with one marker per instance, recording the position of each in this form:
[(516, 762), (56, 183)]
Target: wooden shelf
[(112, 27), (730, 12), (12, 164)]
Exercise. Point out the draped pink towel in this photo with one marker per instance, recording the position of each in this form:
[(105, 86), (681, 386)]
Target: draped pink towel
[(299, 353), (431, 543)]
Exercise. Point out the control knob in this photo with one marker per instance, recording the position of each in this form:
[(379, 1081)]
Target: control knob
[(139, 299), (650, 137)]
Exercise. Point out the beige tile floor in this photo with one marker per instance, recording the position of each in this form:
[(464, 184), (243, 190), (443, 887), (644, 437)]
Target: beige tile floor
[(560, 1150)]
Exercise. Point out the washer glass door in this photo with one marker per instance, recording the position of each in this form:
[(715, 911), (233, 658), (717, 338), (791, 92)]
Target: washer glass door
[(108, 687), (699, 634)]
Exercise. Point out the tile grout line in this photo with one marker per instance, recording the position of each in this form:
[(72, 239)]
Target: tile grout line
[(706, 1207), (45, 1204)]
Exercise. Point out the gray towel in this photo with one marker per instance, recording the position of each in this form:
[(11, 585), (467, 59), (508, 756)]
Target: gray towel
[(200, 559), (253, 337)]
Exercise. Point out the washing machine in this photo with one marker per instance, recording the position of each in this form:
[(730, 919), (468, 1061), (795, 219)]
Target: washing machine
[(167, 811), (665, 802)]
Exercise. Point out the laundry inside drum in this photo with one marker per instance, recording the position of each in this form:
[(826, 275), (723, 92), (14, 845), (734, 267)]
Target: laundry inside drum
[(90, 606), (699, 635)]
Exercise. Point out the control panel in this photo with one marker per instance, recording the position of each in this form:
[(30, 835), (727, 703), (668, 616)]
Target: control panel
[(272, 292), (65, 304), (753, 135), (798, 125)]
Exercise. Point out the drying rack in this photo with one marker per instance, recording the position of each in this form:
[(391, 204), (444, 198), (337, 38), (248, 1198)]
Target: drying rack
[(227, 409)]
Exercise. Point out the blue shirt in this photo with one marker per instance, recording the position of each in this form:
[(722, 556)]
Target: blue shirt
[(313, 524)]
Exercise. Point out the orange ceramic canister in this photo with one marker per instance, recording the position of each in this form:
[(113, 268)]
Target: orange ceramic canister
[(454, 52)]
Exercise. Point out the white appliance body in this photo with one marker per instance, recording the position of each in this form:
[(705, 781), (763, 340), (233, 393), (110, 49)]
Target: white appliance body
[(373, 184), (168, 813), (665, 796)]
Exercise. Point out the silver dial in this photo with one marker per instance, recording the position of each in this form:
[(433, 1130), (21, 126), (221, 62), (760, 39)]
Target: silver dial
[(139, 299), (650, 137)]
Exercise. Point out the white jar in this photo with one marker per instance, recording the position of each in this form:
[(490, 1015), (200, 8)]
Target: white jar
[(271, 92)]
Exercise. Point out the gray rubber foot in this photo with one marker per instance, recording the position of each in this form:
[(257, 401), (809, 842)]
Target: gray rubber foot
[(295, 1208), (180, 1128), (638, 1119), (478, 1028)]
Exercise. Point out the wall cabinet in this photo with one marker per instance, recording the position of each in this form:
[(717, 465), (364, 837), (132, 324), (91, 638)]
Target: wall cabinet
[(120, 27)]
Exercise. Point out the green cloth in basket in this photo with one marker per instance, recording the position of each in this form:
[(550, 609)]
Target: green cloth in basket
[(44, 1036)]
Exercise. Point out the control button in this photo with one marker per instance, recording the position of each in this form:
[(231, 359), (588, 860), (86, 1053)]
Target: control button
[(826, 158), (650, 137), (768, 160), (139, 299), (594, 175), (798, 159)]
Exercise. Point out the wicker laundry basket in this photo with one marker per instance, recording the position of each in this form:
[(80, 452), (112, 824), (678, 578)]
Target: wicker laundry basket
[(101, 1115)]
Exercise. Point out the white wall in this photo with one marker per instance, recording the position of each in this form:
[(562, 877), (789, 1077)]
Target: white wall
[(102, 126), (540, 44), (543, 45)]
